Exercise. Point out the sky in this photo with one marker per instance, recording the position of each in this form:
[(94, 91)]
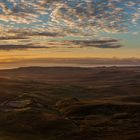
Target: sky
[(35, 29)]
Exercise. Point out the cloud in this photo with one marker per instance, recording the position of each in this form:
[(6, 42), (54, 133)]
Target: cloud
[(91, 17), (81, 16), (12, 37), (47, 34), (104, 43), (29, 19), (31, 44), (19, 47)]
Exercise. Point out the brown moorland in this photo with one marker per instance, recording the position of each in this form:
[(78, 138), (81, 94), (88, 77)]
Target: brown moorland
[(70, 103)]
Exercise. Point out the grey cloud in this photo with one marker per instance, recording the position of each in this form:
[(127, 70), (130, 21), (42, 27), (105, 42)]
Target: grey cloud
[(48, 34), (106, 43), (19, 47), (12, 37)]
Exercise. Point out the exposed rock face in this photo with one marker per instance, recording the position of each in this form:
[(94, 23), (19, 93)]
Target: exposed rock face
[(66, 102), (18, 104)]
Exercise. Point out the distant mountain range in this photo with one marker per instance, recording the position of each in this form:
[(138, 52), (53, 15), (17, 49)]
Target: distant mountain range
[(71, 62)]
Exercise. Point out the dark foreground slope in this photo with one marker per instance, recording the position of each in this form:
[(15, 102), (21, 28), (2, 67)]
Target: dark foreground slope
[(70, 103)]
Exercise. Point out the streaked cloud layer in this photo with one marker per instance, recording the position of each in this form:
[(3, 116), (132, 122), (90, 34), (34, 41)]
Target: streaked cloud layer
[(36, 24)]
